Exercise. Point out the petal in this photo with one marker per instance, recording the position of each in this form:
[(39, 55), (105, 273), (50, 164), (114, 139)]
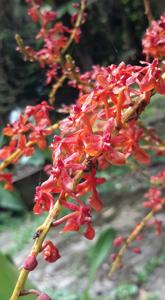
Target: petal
[(141, 156), (89, 232), (71, 225)]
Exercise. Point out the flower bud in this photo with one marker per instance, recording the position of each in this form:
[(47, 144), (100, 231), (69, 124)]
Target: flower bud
[(119, 241), (113, 256), (30, 263), (90, 232), (50, 252), (136, 250), (43, 297)]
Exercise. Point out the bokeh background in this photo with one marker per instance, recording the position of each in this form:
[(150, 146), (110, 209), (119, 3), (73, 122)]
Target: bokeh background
[(111, 34)]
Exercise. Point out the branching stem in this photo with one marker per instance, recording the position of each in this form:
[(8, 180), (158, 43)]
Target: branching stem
[(117, 262), (47, 224)]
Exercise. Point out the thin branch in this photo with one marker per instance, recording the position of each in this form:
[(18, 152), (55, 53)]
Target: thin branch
[(135, 166), (148, 12), (29, 292), (29, 56), (74, 73), (55, 88), (135, 111), (24, 49), (42, 233), (36, 247), (118, 260), (158, 148), (61, 60), (76, 26)]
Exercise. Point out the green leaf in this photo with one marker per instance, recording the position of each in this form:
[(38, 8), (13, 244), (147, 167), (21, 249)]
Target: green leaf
[(8, 278), (123, 291), (142, 276), (66, 8), (85, 294), (10, 200), (100, 250)]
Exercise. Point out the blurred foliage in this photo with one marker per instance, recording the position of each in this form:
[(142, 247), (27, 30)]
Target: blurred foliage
[(99, 251), (124, 292), (20, 82), (11, 201), (97, 255), (8, 278), (62, 294), (150, 266)]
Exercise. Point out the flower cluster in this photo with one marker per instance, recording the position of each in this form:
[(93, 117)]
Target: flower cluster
[(95, 135), (83, 82), (55, 36), (31, 128), (158, 179), (102, 129), (154, 39), (155, 200)]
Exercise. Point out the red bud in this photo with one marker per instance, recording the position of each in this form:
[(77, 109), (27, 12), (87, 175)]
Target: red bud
[(136, 250), (43, 297), (89, 233), (30, 263), (119, 241), (50, 252)]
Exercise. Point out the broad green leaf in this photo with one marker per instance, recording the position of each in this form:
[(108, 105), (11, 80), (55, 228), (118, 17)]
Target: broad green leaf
[(11, 200), (8, 278), (100, 250)]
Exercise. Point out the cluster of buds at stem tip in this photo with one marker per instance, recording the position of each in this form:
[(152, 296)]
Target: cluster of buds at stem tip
[(55, 36)]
